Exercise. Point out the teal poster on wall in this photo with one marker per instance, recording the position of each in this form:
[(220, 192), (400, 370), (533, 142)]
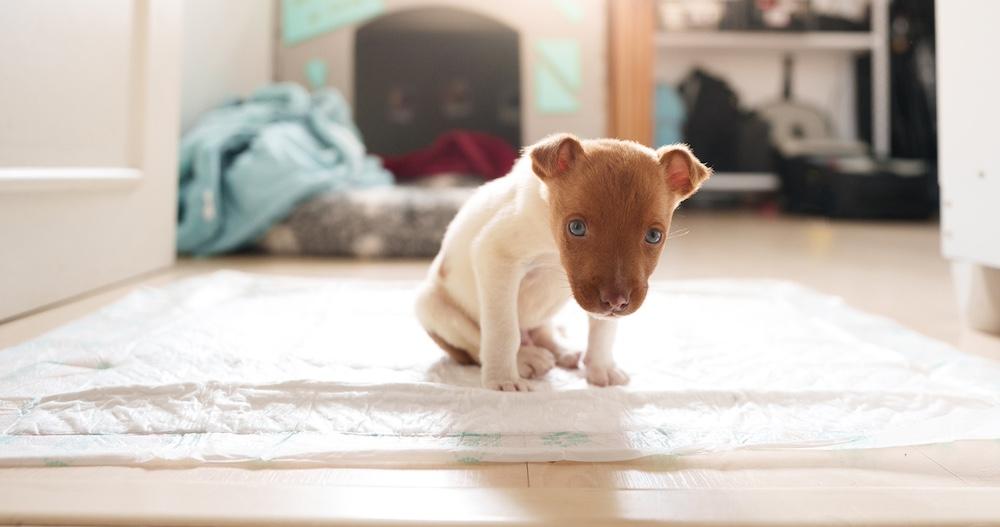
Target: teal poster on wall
[(305, 19), (316, 73), (557, 75), (570, 9)]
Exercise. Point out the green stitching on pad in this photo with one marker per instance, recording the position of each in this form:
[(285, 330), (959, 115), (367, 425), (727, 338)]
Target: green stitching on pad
[(472, 439), (565, 439)]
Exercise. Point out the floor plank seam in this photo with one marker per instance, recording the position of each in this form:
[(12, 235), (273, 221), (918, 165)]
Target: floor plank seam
[(944, 468)]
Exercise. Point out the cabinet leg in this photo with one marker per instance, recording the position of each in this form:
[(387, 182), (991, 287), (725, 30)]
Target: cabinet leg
[(978, 289)]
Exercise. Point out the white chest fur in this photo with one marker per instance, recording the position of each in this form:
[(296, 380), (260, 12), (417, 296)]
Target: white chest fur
[(543, 291)]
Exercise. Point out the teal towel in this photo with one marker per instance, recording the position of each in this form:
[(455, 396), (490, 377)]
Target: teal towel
[(246, 165)]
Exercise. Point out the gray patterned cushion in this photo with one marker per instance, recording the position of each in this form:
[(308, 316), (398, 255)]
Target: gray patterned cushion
[(381, 222)]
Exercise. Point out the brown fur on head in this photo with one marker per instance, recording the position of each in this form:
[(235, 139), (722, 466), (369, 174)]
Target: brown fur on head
[(620, 191)]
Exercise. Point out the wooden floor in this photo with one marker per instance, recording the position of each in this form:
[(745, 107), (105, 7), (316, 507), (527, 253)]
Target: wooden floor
[(892, 269)]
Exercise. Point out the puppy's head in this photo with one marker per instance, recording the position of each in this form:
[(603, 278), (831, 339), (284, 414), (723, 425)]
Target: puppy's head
[(611, 203)]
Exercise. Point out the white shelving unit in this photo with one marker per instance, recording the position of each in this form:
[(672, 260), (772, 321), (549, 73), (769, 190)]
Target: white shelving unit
[(875, 41), (848, 41), (741, 182)]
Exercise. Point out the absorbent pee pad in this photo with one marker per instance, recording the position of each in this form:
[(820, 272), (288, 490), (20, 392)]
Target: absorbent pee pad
[(275, 371)]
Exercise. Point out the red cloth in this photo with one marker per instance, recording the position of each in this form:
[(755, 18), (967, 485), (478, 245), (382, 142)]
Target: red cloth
[(458, 151)]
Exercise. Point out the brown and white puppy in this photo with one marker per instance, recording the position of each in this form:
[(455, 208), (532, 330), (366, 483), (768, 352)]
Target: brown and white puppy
[(587, 218)]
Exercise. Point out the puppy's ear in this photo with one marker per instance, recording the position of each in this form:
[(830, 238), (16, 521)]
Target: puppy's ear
[(683, 171), (555, 155)]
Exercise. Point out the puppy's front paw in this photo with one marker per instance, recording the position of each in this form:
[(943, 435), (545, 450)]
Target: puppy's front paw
[(507, 385), (606, 375), (533, 361)]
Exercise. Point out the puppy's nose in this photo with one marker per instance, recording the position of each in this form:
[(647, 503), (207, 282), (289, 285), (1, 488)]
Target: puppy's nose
[(615, 300)]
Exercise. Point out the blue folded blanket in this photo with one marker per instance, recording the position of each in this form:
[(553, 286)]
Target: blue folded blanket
[(245, 165)]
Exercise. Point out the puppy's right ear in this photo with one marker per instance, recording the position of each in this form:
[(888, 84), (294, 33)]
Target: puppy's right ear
[(555, 155)]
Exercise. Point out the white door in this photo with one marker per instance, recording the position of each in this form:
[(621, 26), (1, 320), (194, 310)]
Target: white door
[(89, 119)]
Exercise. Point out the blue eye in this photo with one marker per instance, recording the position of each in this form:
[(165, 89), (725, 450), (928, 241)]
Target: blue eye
[(653, 236), (577, 228)]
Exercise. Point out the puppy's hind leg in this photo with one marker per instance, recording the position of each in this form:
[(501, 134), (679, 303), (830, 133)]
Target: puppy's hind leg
[(447, 325), (545, 336), (533, 360)]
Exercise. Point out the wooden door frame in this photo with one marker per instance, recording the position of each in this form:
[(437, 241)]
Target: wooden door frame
[(631, 27)]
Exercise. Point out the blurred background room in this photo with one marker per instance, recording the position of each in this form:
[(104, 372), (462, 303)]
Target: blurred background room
[(336, 134), (853, 144), (351, 131)]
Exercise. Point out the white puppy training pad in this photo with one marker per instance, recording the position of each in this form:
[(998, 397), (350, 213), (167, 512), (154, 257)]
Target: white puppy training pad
[(269, 371)]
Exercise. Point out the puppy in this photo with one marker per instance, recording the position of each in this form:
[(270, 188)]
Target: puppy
[(587, 218)]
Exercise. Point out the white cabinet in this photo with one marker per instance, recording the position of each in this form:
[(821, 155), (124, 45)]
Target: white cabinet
[(969, 150)]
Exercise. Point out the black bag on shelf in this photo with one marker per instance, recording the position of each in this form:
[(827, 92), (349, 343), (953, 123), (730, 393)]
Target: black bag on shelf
[(753, 146), (724, 136), (712, 113)]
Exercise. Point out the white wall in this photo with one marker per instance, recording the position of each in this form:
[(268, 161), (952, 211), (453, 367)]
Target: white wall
[(228, 51)]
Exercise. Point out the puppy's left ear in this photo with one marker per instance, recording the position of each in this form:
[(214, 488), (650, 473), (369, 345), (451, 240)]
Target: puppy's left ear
[(683, 171)]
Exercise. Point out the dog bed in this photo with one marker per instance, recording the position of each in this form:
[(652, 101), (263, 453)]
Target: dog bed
[(381, 222), (271, 371)]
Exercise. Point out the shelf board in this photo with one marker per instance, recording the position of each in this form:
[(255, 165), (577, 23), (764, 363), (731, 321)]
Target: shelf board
[(741, 182), (810, 40)]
